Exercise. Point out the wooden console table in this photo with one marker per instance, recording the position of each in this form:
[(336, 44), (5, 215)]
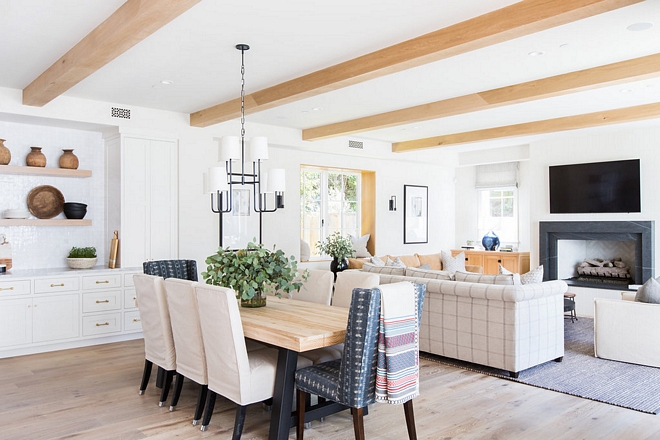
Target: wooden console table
[(517, 262)]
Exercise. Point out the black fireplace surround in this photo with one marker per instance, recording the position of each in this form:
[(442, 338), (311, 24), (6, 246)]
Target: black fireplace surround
[(642, 233)]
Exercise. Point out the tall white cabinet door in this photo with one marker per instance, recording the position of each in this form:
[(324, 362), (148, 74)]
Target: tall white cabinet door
[(149, 206), (56, 317), (15, 322)]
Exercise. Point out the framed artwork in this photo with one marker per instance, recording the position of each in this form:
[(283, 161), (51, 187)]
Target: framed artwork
[(415, 214), (242, 225)]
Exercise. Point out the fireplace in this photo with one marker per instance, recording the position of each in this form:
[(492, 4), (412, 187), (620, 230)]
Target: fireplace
[(631, 241)]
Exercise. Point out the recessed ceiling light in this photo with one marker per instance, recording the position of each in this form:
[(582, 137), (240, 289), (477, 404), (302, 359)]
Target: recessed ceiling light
[(305, 111), (281, 117), (625, 90), (316, 109), (636, 27), (537, 53), (564, 46), (167, 82)]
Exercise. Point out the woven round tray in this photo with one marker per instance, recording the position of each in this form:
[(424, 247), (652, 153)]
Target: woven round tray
[(45, 201)]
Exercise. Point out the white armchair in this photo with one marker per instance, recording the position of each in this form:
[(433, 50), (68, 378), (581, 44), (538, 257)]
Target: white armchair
[(627, 331)]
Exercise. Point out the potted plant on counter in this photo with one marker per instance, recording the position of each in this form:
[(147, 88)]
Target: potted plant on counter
[(339, 248), (253, 271), (82, 258)]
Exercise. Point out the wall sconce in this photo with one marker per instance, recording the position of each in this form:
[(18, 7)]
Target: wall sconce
[(393, 203)]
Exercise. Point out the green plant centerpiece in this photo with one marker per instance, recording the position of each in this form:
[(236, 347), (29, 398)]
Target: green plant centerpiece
[(253, 271), (339, 248), (81, 258)]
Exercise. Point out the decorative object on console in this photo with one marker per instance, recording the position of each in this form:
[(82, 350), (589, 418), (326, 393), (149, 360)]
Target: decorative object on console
[(35, 158), (5, 252), (74, 210), (45, 201), (339, 248), (360, 245), (16, 213), (114, 247), (253, 271), (453, 264), (232, 148), (81, 258), (415, 214), (68, 160), (490, 241), (392, 204), (5, 154)]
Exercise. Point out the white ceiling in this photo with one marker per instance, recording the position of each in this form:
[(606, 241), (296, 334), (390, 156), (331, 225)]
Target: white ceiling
[(295, 37)]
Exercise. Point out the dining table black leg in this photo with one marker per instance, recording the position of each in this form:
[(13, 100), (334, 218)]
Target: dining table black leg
[(280, 419)]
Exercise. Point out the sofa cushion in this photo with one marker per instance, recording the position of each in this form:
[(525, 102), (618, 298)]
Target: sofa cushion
[(534, 276), (388, 270), (504, 280), (649, 292), (453, 264), (434, 260), (360, 245), (433, 274)]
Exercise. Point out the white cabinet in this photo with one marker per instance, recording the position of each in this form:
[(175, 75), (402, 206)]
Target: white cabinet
[(148, 200), (55, 317), (15, 322)]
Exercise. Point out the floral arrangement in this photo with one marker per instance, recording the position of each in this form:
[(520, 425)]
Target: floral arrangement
[(336, 246), (253, 270)]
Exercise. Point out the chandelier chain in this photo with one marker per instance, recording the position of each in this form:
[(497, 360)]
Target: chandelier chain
[(242, 95)]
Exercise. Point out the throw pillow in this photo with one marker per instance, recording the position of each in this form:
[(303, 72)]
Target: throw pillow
[(386, 270), (376, 261), (395, 263), (305, 251), (505, 280), (453, 264), (360, 245), (534, 276), (424, 267), (649, 292), (504, 270), (432, 274)]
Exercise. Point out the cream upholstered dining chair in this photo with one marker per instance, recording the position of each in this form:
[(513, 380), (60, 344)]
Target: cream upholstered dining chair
[(241, 376), (188, 343), (157, 331), (347, 281)]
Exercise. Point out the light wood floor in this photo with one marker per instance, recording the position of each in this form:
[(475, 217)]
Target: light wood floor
[(91, 393)]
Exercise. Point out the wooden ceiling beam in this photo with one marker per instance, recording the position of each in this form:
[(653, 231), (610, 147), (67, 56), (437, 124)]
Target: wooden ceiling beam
[(597, 119), (523, 18), (611, 74), (134, 21)]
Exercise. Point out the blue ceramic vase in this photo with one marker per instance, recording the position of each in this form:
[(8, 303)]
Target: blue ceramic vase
[(490, 241)]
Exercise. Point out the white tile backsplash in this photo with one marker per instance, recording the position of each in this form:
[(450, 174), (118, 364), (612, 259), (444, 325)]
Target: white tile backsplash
[(42, 247)]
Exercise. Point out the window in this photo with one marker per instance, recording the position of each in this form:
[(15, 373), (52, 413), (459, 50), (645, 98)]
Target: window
[(330, 201), (498, 211)]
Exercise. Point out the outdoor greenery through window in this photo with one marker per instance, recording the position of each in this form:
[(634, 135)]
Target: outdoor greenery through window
[(330, 201), (498, 211)]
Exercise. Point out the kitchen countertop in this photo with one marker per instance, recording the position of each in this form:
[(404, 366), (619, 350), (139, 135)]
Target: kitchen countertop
[(29, 273)]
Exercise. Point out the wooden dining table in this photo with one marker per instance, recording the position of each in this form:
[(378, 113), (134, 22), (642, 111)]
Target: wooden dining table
[(294, 327)]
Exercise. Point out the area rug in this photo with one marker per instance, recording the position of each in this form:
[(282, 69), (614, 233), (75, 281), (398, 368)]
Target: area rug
[(583, 375)]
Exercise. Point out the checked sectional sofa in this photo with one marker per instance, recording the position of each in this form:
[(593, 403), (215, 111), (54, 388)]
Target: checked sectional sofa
[(509, 327)]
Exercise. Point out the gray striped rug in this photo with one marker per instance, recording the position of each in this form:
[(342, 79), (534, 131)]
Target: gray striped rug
[(581, 374)]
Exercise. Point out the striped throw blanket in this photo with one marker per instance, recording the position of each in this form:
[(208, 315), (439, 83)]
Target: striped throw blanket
[(397, 376)]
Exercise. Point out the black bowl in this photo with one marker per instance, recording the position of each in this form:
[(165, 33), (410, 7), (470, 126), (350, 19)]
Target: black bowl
[(74, 210)]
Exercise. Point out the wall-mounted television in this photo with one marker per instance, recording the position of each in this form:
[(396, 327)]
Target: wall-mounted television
[(598, 187)]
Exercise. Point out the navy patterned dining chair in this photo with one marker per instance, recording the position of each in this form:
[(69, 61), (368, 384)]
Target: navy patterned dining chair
[(351, 381), (182, 269)]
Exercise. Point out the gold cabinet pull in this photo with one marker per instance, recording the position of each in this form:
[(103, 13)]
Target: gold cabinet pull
[(98, 301), (11, 288), (136, 320), (57, 285), (101, 325), (103, 282)]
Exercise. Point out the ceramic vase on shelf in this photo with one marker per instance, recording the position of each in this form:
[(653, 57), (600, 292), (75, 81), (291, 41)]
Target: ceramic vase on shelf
[(258, 300), (68, 160), (490, 241), (336, 266), (5, 154), (35, 158)]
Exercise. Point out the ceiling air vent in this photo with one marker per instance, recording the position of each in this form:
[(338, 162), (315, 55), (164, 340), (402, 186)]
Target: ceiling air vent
[(356, 144), (123, 113)]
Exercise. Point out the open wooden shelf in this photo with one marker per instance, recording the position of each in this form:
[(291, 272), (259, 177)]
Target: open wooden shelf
[(46, 222), (38, 171)]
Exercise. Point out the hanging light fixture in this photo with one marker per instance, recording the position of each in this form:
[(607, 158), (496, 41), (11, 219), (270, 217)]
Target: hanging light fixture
[(221, 180)]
